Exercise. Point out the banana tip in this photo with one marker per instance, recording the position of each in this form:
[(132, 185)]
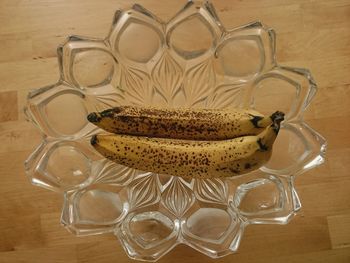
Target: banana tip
[(93, 140), (93, 117), (277, 118)]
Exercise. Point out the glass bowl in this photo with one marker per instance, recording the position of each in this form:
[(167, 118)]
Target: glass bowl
[(190, 61)]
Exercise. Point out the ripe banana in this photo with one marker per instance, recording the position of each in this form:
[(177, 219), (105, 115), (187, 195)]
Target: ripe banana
[(181, 123), (186, 158)]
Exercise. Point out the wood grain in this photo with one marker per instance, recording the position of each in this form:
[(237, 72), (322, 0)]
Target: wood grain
[(339, 229), (311, 34), (8, 101)]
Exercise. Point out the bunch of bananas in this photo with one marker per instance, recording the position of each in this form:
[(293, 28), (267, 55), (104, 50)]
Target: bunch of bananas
[(195, 143)]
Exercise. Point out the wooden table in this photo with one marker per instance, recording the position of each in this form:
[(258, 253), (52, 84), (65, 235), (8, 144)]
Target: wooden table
[(311, 34)]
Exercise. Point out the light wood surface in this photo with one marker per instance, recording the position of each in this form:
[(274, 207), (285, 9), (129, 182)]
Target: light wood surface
[(312, 34)]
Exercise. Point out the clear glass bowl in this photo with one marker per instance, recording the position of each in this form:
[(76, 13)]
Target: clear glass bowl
[(193, 61)]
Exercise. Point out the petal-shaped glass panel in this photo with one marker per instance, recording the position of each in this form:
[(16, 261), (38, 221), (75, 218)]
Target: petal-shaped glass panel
[(272, 87), (98, 208), (267, 200), (286, 89), (144, 190), (213, 231), (112, 173), (226, 96), (241, 56), (139, 42), (148, 235), (177, 196), (86, 62), (136, 36), (211, 190), (61, 165), (297, 149), (167, 77), (104, 97), (135, 85), (191, 37), (245, 52), (260, 196), (59, 111), (198, 84), (193, 32)]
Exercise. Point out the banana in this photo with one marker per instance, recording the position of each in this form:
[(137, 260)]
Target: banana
[(186, 158), (181, 123)]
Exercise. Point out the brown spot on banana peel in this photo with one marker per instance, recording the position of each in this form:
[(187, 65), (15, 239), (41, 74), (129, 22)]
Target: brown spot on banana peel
[(255, 120), (262, 147)]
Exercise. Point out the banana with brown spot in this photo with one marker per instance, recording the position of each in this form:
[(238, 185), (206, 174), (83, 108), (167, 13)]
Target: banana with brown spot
[(186, 158), (181, 123)]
